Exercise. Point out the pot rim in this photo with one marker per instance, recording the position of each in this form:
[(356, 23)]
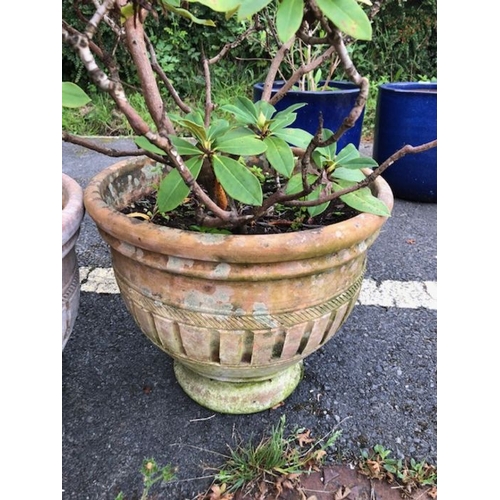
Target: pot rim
[(408, 86), (72, 207), (342, 87), (226, 248)]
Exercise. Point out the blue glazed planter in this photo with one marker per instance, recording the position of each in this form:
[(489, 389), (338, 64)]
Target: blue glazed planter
[(335, 106), (406, 113)]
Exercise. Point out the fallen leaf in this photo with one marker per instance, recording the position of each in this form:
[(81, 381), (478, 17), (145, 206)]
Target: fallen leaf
[(217, 492), (433, 492), (304, 438), (263, 490), (374, 467), (341, 493)]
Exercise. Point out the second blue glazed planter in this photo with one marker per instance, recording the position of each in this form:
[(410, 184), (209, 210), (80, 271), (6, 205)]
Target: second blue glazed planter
[(406, 113)]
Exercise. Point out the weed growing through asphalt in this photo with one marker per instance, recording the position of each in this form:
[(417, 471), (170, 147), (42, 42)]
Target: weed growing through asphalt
[(408, 475), (272, 465), (152, 474), (276, 462)]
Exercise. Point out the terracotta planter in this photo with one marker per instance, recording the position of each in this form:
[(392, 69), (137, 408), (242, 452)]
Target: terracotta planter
[(72, 215), (237, 313)]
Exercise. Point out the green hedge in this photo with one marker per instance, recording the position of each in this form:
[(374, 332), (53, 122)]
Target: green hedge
[(404, 46), (178, 44)]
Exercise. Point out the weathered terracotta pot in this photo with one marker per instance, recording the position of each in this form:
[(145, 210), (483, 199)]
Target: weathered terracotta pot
[(72, 215), (237, 313)]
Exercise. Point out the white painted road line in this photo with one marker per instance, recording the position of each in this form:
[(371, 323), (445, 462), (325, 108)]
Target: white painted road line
[(389, 293)]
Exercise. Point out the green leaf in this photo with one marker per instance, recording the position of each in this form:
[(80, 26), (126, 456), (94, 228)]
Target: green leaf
[(267, 109), (144, 143), (126, 12), (361, 162), (280, 155), (285, 117), (347, 153), (242, 116), (184, 147), (217, 129), (320, 160), (219, 5), (244, 103), (173, 190), (317, 209), (348, 16), (362, 200), (199, 131), (185, 13), (237, 180), (317, 76), (241, 142), (347, 174), (196, 116), (281, 123), (244, 110), (290, 109), (294, 185), (294, 136), (289, 18), (327, 152), (73, 96), (250, 7)]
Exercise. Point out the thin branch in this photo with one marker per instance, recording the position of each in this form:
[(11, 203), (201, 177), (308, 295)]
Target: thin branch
[(232, 45), (364, 87), (208, 89), (111, 152), (93, 47), (408, 149), (80, 43), (304, 69), (98, 16), (273, 69), (164, 78), (114, 27)]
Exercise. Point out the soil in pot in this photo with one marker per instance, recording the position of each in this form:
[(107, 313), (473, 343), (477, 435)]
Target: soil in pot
[(278, 221)]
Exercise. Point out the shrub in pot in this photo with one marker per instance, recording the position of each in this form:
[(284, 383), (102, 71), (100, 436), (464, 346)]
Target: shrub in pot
[(195, 224)]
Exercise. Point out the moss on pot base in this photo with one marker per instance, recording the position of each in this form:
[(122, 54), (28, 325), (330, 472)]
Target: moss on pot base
[(238, 398)]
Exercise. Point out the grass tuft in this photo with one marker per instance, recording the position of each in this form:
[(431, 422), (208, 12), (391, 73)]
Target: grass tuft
[(273, 463)]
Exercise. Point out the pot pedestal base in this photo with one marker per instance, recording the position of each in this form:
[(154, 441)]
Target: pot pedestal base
[(238, 397)]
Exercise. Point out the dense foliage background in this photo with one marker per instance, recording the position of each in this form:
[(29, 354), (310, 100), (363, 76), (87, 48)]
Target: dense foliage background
[(404, 48)]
